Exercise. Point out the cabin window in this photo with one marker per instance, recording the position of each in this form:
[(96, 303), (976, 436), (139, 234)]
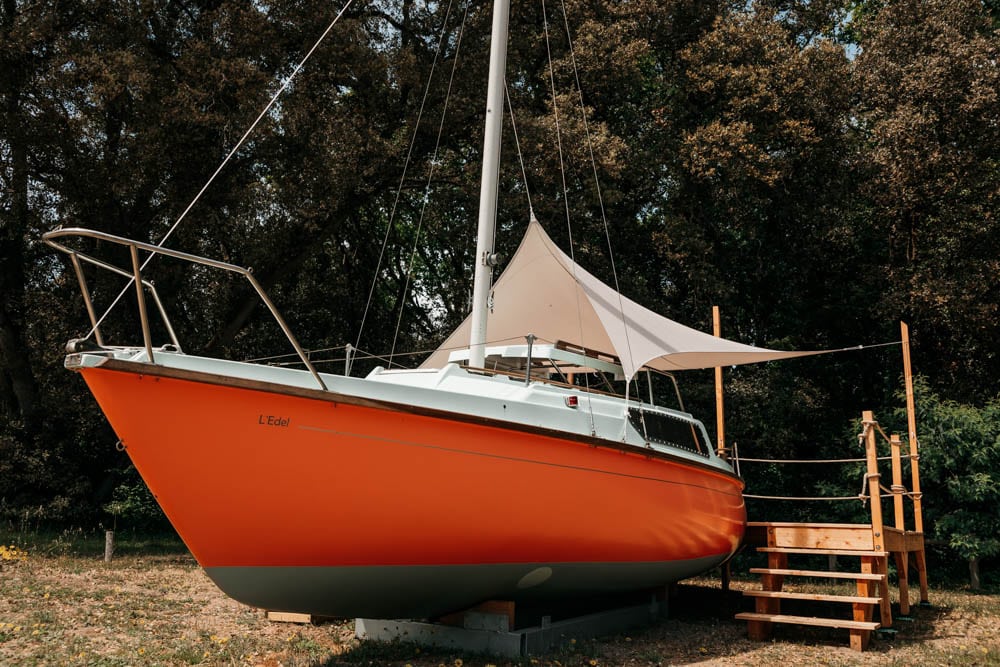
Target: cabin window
[(666, 429)]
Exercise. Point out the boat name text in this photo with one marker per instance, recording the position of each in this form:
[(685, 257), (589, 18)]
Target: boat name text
[(273, 420)]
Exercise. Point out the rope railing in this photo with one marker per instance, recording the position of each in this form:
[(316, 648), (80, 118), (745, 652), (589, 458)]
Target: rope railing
[(804, 498), (806, 461), (871, 485)]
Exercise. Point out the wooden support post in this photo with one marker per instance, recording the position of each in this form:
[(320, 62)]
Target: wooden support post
[(885, 605), (911, 420), (720, 417), (902, 559), (921, 559), (897, 481), (863, 612), (874, 492), (762, 630)]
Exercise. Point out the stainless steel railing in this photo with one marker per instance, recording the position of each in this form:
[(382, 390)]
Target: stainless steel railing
[(54, 237)]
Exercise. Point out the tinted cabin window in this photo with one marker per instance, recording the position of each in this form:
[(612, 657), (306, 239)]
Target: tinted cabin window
[(667, 430)]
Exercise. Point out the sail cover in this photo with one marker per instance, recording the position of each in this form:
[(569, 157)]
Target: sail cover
[(544, 292)]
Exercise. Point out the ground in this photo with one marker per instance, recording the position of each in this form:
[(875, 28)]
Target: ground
[(163, 610)]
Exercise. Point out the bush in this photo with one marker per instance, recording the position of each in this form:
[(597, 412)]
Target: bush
[(960, 475)]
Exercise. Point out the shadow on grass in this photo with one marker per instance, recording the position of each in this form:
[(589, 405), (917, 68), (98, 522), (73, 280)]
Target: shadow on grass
[(694, 605), (700, 626)]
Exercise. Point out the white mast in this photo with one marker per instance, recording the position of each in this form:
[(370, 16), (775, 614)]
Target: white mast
[(488, 186)]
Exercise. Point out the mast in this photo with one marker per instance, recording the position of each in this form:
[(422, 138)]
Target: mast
[(488, 184)]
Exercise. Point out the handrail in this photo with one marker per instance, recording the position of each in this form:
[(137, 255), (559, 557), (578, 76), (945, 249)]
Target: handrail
[(51, 238), (76, 257)]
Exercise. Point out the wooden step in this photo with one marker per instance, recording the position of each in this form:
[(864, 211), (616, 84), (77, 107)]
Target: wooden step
[(819, 574), (808, 620), (813, 535), (816, 597), (820, 552)]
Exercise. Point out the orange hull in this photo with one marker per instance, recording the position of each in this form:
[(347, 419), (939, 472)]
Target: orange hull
[(257, 478)]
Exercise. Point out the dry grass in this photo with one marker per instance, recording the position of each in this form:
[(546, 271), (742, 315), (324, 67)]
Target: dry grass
[(162, 610)]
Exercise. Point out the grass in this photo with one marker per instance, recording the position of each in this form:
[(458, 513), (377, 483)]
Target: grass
[(60, 604)]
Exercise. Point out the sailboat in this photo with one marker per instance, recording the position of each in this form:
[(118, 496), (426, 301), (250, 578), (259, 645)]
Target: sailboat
[(493, 472)]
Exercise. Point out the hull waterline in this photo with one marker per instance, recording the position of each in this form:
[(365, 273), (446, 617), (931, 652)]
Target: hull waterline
[(320, 503)]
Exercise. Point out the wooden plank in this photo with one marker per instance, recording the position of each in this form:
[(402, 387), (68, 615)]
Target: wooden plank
[(289, 617), (821, 574), (903, 540), (816, 597), (807, 620), (858, 538), (821, 552)]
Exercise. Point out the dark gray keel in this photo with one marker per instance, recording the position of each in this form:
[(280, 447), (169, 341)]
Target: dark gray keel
[(429, 591)]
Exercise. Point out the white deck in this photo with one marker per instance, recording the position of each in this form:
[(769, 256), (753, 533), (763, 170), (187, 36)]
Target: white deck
[(453, 389)]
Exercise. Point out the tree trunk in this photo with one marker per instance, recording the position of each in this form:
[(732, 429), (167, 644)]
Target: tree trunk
[(15, 363), (974, 573)]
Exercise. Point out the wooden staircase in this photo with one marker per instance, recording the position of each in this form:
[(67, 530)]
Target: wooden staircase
[(852, 541), (870, 545)]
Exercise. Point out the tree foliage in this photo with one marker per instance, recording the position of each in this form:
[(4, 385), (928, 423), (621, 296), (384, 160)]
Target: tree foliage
[(959, 449), (820, 170)]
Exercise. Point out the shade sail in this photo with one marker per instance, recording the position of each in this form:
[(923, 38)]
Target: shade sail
[(544, 292)]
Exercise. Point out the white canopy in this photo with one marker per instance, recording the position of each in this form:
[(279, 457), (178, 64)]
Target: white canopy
[(543, 292)]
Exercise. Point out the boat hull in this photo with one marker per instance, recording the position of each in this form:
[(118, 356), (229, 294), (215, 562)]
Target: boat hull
[(323, 504)]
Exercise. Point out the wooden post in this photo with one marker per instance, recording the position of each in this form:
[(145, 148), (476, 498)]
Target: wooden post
[(720, 418), (863, 612), (109, 545), (902, 558), (874, 492), (897, 481), (720, 423), (911, 420)]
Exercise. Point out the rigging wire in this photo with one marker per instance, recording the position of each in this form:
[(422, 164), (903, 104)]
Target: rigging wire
[(565, 192), (597, 181), (520, 155), (402, 180), (239, 144), (430, 170)]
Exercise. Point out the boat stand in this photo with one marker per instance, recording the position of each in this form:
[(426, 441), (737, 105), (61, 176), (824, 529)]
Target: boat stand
[(489, 628)]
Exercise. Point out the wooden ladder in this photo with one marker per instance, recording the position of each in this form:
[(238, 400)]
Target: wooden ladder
[(801, 539)]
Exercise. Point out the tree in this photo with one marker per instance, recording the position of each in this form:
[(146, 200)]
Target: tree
[(930, 79), (959, 448)]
